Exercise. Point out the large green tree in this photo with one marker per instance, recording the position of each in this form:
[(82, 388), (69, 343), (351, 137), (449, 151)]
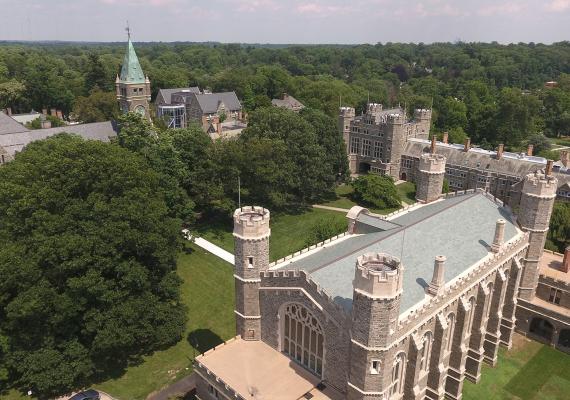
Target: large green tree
[(97, 107), (87, 264), (376, 191)]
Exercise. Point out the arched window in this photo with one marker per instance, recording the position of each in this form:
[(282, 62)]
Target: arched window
[(450, 331), (425, 352), (398, 374), (303, 338)]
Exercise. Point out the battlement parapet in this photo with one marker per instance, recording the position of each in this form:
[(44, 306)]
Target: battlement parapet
[(432, 163), (422, 113), (378, 275), (374, 108), (513, 249), (251, 222), (540, 185), (348, 112), (395, 119), (299, 279)]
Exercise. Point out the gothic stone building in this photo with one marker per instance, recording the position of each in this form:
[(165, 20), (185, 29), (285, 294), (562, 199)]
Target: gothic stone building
[(385, 142), (405, 306)]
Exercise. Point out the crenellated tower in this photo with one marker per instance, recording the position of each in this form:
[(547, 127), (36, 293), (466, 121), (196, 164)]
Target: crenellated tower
[(345, 116), (251, 238), (422, 116), (375, 309), (395, 124), (132, 86), (430, 176), (537, 200)]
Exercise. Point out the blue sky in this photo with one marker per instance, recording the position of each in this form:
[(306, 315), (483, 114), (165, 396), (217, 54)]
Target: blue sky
[(287, 21)]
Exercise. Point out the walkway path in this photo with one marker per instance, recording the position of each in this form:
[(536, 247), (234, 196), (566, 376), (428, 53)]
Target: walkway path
[(344, 210), (178, 388), (215, 250)]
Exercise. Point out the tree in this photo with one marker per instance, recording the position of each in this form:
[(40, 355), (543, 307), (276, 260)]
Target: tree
[(37, 123), (96, 75), (540, 143), (559, 232), (324, 229), (376, 191), (87, 264), (97, 107), (10, 92)]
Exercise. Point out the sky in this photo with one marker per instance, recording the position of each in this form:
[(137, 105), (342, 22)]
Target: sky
[(287, 21)]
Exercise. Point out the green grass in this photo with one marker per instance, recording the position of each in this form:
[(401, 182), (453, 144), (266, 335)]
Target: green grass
[(564, 141), (208, 292), (532, 371), (407, 191), (288, 231)]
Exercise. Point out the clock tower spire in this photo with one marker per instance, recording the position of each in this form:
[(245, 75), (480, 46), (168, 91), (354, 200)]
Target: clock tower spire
[(133, 87)]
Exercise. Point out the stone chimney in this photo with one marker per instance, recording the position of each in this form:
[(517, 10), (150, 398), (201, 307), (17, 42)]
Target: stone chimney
[(548, 170), (437, 283), (433, 144), (445, 137), (44, 111), (9, 111), (499, 236), (500, 151), (467, 145), (529, 150), (565, 157), (59, 114), (46, 124), (566, 260), (53, 112)]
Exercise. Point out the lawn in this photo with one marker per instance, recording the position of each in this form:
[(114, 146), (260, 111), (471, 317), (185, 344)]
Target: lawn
[(288, 231), (208, 292), (563, 141), (529, 371), (407, 191)]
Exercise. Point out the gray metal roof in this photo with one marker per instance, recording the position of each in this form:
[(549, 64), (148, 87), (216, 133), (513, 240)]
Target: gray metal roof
[(458, 227), (209, 102), (288, 102), (16, 140), (165, 95), (10, 125)]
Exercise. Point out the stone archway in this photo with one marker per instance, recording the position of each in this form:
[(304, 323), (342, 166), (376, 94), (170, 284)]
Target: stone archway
[(363, 168), (542, 328), (404, 176)]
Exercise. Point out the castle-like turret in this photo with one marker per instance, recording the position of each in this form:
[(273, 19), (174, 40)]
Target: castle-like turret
[(251, 236), (375, 310), (345, 117), (537, 200), (430, 176)]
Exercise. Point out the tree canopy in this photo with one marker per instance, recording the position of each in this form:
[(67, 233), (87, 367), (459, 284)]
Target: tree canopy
[(87, 264), (376, 191)]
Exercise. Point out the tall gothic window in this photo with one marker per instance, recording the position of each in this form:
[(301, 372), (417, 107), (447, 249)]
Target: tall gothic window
[(425, 352), (471, 314), (398, 374), (303, 338), (354, 145), (450, 330)]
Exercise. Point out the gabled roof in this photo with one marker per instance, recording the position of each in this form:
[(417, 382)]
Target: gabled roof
[(131, 71), (165, 95), (10, 125), (210, 102), (16, 141), (509, 163), (288, 102)]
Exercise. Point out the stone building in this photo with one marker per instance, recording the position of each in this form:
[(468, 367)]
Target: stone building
[(377, 142), (174, 114), (132, 86), (396, 307), (288, 102)]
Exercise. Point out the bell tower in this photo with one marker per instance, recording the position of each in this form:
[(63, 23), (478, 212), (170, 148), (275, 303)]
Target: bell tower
[(133, 87)]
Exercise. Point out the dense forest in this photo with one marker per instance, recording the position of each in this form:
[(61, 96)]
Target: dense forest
[(490, 92)]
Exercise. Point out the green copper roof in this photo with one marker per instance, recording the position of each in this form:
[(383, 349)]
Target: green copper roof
[(131, 72)]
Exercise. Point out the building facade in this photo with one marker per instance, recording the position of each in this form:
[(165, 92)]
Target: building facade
[(382, 141), (132, 86), (394, 308)]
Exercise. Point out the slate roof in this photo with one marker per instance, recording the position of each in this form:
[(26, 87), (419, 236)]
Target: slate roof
[(416, 237), (16, 140), (288, 102), (10, 125), (131, 71), (165, 95), (510, 163), (209, 102)]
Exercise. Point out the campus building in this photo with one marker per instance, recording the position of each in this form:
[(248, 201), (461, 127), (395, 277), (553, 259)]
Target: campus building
[(388, 143), (396, 307)]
